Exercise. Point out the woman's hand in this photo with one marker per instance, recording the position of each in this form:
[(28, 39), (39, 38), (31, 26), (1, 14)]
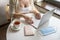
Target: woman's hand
[(37, 15), (16, 15), (28, 20)]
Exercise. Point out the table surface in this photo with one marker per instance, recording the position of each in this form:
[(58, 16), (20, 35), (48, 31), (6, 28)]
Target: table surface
[(19, 35)]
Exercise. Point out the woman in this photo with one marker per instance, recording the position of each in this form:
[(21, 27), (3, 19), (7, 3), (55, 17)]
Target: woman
[(22, 6)]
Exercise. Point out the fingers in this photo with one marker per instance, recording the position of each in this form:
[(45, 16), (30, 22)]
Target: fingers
[(28, 20), (37, 16), (17, 15)]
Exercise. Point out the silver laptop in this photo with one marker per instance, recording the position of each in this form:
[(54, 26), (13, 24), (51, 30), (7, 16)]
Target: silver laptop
[(44, 18)]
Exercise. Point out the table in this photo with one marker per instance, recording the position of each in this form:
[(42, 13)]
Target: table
[(55, 22)]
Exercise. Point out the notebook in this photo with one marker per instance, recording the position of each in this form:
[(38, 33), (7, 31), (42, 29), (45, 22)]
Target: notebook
[(28, 31)]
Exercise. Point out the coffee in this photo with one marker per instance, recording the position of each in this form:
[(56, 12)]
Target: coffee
[(16, 23)]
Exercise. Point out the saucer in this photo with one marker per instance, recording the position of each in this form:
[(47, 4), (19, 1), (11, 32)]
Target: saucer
[(14, 28)]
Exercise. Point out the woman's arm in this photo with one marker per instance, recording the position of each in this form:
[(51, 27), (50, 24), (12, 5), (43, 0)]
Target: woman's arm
[(35, 11)]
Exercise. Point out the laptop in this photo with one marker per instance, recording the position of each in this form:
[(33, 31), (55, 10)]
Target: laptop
[(44, 18)]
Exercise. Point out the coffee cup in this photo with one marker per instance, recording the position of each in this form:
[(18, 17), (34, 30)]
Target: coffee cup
[(16, 24)]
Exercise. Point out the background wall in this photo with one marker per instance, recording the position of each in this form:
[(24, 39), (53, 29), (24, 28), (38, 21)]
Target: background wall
[(2, 11)]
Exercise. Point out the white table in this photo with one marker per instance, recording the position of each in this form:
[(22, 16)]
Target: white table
[(55, 22)]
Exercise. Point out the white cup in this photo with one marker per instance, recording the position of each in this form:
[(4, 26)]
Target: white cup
[(16, 24)]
